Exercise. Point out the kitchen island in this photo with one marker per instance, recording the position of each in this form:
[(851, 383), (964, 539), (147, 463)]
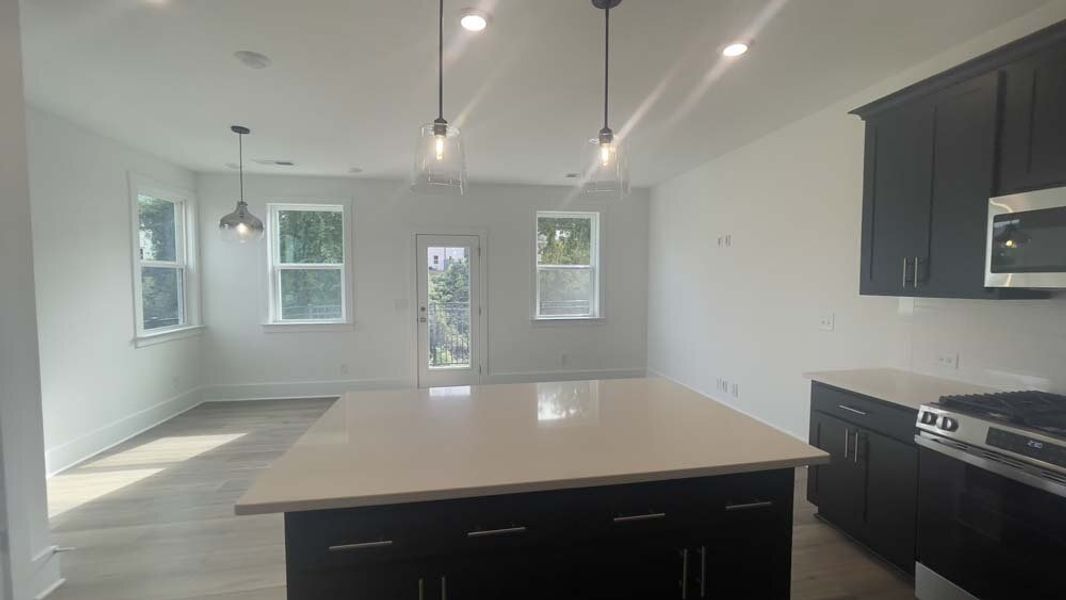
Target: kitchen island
[(634, 488)]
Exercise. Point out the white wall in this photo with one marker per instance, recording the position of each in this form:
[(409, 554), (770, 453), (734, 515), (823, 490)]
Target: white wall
[(26, 566), (792, 203), (97, 387), (242, 361)]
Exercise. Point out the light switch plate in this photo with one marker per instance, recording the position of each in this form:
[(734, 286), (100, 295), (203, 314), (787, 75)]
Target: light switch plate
[(827, 321)]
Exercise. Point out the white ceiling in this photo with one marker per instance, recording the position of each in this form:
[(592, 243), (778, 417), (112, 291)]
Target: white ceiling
[(351, 80)]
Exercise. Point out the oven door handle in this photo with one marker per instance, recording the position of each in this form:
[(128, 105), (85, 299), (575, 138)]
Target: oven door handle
[(992, 465)]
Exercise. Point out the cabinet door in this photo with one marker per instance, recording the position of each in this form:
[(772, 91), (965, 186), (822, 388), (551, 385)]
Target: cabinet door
[(839, 488), (896, 198), (481, 576), (1033, 142), (382, 582), (953, 262), (892, 497), (649, 569)]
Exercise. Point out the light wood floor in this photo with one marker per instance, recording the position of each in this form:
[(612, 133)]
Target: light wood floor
[(153, 518)]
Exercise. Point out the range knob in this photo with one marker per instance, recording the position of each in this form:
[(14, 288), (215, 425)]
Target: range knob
[(928, 418), (948, 424)]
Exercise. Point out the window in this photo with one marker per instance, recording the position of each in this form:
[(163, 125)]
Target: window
[(164, 275), (308, 253), (568, 273)]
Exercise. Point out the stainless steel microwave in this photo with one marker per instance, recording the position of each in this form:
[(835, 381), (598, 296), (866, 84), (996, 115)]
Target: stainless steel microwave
[(1027, 240)]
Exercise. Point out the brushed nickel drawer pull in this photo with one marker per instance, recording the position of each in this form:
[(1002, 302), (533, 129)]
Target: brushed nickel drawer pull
[(852, 410), (492, 532), (362, 546), (684, 573), (634, 518), (703, 571), (750, 505)]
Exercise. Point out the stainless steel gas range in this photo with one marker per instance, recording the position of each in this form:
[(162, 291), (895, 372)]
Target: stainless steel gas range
[(992, 497)]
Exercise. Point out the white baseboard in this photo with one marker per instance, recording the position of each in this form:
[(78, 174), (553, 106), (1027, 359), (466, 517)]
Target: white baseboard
[(296, 389), (80, 449), (324, 389), (535, 376), (654, 373)]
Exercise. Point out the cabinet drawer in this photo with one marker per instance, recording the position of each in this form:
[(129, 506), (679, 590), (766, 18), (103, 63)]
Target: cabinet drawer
[(496, 524), (892, 420), (372, 535)]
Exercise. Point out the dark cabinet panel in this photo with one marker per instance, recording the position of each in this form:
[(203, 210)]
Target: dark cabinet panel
[(730, 535), (891, 497), (953, 263), (1033, 141), (897, 197), (869, 490), (839, 488), (930, 170)]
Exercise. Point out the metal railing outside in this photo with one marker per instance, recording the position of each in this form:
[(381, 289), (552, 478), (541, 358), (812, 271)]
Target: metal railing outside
[(449, 334)]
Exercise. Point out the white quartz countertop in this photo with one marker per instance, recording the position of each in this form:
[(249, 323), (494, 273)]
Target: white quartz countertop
[(896, 386), (389, 447)]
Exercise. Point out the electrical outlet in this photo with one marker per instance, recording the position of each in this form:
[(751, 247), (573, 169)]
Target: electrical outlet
[(827, 321), (948, 360), (344, 368), (729, 240), (175, 382), (734, 390), (564, 359)]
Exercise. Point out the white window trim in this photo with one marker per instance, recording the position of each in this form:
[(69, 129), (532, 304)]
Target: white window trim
[(596, 266), (188, 250), (272, 310)]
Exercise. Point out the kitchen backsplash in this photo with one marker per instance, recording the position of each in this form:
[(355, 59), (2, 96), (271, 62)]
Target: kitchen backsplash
[(1004, 344)]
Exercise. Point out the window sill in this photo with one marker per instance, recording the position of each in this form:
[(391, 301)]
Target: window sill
[(161, 337), (305, 327), (568, 320)]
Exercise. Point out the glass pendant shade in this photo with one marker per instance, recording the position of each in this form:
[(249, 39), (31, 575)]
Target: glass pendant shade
[(606, 169), (440, 166), (241, 226)]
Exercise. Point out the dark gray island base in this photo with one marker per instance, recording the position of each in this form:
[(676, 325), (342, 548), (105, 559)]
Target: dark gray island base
[(725, 536)]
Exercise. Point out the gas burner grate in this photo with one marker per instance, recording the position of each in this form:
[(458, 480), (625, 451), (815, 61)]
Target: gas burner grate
[(1039, 410)]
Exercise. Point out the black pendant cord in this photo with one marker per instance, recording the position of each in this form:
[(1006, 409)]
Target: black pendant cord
[(240, 162), (440, 63), (606, 64)]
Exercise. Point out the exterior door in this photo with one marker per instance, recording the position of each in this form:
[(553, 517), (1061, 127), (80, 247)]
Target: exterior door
[(449, 310)]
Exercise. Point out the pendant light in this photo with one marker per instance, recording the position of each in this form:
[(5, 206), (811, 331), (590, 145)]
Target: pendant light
[(240, 226), (607, 172), (440, 167)]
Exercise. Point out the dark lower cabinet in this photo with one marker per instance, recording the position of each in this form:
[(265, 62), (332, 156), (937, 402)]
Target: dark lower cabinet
[(869, 489), (891, 497), (713, 537)]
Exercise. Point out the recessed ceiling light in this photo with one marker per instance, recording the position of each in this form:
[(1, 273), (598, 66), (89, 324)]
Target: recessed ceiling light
[(355, 170), (573, 175), (473, 20), (252, 60), (273, 162), (232, 165), (736, 49)]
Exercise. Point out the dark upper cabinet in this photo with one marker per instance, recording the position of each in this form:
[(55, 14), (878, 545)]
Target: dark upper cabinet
[(952, 264), (929, 174), (938, 150), (930, 170), (1033, 139), (898, 169)]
